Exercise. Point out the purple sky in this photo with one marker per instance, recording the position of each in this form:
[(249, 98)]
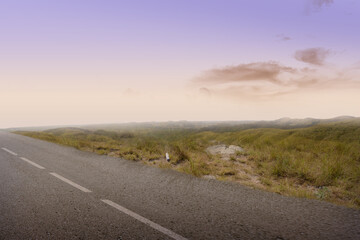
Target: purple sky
[(70, 62)]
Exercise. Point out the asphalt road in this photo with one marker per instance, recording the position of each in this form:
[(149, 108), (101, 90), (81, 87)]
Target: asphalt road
[(49, 191)]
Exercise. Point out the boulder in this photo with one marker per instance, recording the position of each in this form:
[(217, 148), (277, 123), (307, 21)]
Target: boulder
[(222, 149)]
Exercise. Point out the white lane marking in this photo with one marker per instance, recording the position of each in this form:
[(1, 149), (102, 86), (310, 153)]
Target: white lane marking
[(144, 220), (70, 182), (32, 163), (9, 151)]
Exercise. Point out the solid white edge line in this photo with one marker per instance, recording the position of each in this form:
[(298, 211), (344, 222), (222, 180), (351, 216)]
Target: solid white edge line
[(144, 220), (70, 182), (32, 163), (9, 151)]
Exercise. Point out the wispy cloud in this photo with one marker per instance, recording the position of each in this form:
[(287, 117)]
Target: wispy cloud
[(315, 56), (283, 37), (268, 80), (258, 71), (255, 81), (129, 92), (316, 5), (203, 91), (321, 3)]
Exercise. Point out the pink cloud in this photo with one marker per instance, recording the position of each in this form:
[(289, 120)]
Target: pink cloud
[(315, 56), (258, 71), (268, 80)]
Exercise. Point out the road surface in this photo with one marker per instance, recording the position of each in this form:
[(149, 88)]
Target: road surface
[(49, 191)]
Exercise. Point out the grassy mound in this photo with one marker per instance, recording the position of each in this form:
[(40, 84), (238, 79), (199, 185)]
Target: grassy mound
[(321, 161)]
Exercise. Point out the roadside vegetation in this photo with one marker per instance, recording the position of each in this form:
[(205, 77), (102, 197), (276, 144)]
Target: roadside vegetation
[(321, 161)]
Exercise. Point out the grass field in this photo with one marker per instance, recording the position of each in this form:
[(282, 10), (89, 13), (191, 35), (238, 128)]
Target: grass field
[(317, 159)]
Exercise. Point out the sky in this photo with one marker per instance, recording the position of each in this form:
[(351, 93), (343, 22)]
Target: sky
[(85, 62)]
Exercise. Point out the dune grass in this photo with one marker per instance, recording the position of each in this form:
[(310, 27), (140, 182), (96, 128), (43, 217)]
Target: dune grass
[(321, 161)]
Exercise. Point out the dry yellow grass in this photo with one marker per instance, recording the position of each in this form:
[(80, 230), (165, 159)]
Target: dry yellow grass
[(322, 161)]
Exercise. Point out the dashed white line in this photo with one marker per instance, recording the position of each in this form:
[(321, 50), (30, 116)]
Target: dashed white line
[(9, 151), (144, 220), (32, 163), (70, 182), (115, 205)]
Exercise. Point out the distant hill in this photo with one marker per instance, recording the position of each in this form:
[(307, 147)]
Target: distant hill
[(221, 126), (282, 123)]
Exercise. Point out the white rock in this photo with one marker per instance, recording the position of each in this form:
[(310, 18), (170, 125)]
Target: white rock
[(222, 149)]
